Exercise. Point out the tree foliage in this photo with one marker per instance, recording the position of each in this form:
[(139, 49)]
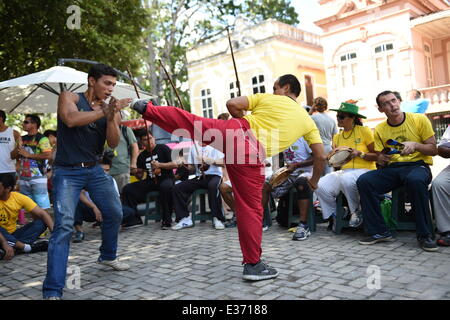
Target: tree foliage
[(35, 34)]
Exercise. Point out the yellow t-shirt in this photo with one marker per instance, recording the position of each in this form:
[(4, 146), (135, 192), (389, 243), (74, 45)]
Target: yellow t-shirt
[(278, 121), (357, 139), (9, 210), (416, 127)]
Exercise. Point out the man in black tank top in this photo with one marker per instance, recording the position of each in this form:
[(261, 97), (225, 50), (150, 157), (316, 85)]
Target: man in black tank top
[(85, 122)]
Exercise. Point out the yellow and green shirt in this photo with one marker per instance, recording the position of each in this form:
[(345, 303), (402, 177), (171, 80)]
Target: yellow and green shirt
[(278, 121), (359, 138), (415, 127)]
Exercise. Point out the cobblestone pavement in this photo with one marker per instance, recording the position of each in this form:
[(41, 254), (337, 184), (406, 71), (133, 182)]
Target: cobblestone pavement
[(203, 263)]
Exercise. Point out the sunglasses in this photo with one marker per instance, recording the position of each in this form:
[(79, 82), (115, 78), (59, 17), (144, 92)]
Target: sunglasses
[(341, 116), (26, 122)]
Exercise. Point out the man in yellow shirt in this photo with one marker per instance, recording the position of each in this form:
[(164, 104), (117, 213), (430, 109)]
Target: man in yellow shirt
[(274, 123), (23, 239), (414, 139)]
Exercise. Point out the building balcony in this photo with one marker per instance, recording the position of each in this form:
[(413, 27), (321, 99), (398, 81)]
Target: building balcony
[(439, 97)]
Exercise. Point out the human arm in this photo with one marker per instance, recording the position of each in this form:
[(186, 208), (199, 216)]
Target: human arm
[(134, 155), (18, 139), (45, 148), (306, 163), (444, 152), (370, 156), (9, 251), (428, 147), (318, 163), (39, 213), (237, 106), (90, 204), (69, 113)]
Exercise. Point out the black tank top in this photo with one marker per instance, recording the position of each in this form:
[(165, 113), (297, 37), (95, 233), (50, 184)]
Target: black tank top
[(80, 144)]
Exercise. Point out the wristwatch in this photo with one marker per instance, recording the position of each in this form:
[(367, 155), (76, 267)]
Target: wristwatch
[(362, 155)]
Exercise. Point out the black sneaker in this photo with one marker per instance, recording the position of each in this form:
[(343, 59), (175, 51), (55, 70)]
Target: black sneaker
[(427, 243), (39, 246), (259, 271), (444, 240), (2, 254), (97, 224), (302, 232), (79, 237), (166, 226), (134, 224), (385, 237)]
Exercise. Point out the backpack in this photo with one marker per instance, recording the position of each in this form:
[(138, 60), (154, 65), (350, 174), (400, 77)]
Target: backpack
[(283, 211)]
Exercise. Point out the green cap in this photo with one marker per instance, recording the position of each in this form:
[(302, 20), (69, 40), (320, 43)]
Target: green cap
[(349, 108)]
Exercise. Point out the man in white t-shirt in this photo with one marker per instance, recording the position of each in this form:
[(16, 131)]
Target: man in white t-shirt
[(299, 160), (8, 140), (207, 163)]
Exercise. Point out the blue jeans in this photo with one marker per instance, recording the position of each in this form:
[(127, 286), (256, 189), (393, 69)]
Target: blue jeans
[(414, 176), (28, 234), (67, 185)]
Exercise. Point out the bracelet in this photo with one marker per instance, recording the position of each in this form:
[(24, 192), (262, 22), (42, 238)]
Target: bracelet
[(362, 155)]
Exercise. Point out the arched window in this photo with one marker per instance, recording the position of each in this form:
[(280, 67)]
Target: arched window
[(207, 103), (258, 84), (348, 67), (384, 61)]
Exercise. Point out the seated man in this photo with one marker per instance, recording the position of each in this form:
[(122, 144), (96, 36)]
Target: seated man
[(441, 193), (156, 161), (23, 239), (299, 160), (208, 165), (408, 168)]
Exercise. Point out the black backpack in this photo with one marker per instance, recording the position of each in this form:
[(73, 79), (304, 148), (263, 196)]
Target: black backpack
[(282, 211)]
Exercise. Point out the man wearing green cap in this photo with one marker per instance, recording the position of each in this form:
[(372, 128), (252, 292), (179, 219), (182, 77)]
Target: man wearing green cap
[(363, 156), (414, 136)]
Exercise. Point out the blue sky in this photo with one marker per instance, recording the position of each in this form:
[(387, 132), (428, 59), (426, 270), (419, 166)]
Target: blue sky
[(307, 11)]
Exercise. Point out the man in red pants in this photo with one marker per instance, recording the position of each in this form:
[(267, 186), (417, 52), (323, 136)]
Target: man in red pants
[(275, 122)]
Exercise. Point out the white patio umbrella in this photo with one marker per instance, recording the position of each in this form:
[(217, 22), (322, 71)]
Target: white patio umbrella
[(38, 92)]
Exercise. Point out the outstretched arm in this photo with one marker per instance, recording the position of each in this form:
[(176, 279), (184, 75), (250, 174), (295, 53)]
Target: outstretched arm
[(238, 106)]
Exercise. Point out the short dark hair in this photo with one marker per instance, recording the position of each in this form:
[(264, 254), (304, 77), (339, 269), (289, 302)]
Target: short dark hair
[(320, 103), (34, 118), (224, 116), (98, 70), (384, 93), (49, 132), (292, 81), (397, 95), (7, 180), (107, 158), (3, 115)]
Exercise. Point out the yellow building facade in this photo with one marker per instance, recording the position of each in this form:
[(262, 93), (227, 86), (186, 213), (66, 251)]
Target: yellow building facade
[(262, 53)]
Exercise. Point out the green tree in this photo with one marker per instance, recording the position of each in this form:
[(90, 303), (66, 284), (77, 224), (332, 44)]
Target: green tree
[(35, 34)]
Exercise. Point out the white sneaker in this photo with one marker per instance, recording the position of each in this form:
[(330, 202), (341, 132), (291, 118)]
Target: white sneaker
[(355, 220), (183, 223), (218, 225), (115, 264)]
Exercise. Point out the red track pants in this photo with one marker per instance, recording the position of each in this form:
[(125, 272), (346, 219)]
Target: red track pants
[(247, 177)]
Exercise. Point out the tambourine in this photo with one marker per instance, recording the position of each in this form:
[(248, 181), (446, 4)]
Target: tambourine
[(339, 156), (279, 176)]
